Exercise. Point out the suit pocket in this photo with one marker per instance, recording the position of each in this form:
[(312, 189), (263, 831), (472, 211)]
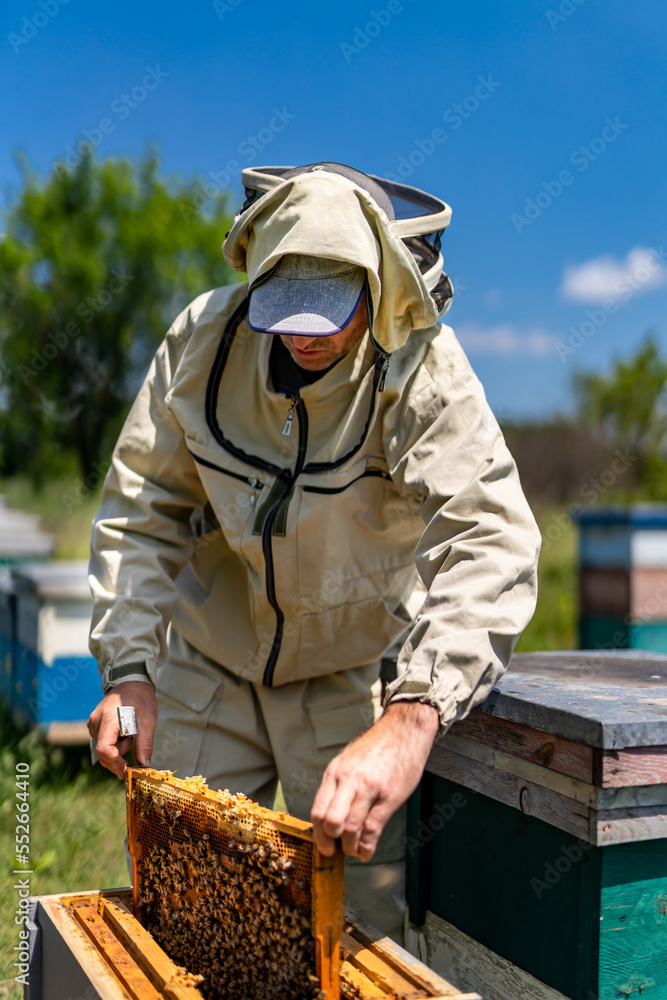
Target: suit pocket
[(188, 686), (186, 697), (337, 725)]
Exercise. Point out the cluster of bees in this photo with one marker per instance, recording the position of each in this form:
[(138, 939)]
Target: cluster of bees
[(220, 906)]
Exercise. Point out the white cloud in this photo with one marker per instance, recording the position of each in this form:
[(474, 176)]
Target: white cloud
[(643, 269), (506, 340)]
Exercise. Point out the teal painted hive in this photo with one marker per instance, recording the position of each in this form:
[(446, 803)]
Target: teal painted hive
[(537, 841)]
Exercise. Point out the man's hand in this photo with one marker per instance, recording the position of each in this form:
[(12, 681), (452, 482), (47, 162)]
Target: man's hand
[(103, 725), (365, 784)]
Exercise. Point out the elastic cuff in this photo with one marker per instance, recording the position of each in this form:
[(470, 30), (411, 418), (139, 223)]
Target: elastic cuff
[(424, 693), (113, 676)]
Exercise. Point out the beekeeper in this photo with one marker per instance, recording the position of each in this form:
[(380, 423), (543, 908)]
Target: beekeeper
[(304, 446)]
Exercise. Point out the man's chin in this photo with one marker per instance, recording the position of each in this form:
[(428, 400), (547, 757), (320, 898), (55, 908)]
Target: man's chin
[(312, 361)]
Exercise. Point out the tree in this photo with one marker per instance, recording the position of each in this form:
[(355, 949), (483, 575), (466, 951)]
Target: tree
[(628, 409), (95, 263)]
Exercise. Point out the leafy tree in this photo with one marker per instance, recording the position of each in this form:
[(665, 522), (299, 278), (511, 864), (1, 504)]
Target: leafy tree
[(94, 265), (628, 409)]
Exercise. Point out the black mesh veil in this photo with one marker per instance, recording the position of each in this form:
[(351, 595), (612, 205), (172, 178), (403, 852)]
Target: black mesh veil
[(420, 219)]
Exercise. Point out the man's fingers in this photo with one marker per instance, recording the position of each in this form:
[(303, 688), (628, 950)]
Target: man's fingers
[(371, 831), (346, 816), (143, 742), (94, 722), (325, 793), (104, 728), (107, 735), (326, 844), (337, 812)]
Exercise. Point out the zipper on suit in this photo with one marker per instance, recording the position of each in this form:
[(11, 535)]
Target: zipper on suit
[(255, 485), (369, 473), (298, 408)]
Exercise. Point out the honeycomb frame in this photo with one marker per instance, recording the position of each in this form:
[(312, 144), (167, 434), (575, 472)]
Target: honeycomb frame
[(164, 811)]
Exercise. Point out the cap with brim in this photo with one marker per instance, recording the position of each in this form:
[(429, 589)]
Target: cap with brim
[(307, 297)]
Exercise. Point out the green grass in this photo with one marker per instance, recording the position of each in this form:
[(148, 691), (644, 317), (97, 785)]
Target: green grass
[(554, 624), (77, 829)]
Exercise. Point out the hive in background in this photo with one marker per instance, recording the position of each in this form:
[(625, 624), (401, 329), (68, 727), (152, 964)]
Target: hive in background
[(232, 891), (623, 577)]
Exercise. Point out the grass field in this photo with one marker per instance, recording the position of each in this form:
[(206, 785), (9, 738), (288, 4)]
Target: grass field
[(77, 829), (554, 624), (77, 817)]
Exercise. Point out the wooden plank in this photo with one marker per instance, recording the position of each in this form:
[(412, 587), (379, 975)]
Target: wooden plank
[(358, 981), (378, 971), (121, 963), (104, 982), (123, 893), (328, 915), (434, 985), (554, 753), (560, 811), (580, 791), (624, 826), (633, 766), (156, 964), (598, 798), (618, 825), (471, 965), (67, 734)]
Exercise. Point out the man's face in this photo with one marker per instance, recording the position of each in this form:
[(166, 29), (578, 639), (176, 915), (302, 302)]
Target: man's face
[(316, 353)]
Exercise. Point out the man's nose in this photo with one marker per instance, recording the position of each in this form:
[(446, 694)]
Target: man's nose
[(302, 343)]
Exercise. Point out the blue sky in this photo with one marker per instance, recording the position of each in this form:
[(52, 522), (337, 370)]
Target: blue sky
[(541, 123)]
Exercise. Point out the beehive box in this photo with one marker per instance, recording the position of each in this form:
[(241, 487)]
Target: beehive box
[(623, 577), (89, 945), (55, 682), (552, 799)]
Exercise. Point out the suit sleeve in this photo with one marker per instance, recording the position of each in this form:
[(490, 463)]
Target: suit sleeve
[(477, 555), (141, 535)]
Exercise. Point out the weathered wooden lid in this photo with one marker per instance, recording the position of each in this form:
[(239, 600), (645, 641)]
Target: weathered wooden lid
[(603, 699)]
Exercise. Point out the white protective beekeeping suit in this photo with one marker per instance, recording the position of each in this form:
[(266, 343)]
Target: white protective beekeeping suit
[(283, 563)]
